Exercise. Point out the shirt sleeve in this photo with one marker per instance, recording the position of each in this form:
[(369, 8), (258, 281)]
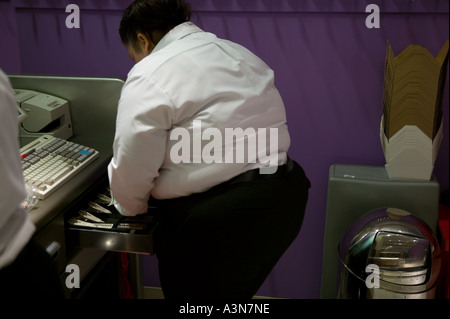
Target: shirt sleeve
[(10, 165), (144, 118), (16, 226)]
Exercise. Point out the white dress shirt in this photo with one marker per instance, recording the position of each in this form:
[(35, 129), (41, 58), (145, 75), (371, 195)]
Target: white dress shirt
[(16, 227), (198, 84)]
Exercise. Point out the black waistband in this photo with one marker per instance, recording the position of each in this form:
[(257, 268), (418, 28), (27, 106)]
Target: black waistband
[(255, 174), (252, 175)]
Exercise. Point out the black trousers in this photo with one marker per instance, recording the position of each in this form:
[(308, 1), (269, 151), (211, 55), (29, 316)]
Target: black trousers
[(223, 243), (31, 276)]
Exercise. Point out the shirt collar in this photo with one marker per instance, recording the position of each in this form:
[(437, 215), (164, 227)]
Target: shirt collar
[(177, 33)]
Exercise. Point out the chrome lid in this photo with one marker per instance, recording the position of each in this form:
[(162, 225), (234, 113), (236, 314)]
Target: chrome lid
[(400, 247)]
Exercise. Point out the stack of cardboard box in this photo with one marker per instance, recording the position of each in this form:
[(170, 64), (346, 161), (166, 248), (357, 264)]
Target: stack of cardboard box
[(411, 126)]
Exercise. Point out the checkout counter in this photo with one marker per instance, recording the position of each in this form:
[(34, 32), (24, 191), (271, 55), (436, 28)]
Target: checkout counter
[(97, 252)]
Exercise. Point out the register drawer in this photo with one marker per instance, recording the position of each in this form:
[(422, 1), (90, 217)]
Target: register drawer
[(111, 240), (96, 224)]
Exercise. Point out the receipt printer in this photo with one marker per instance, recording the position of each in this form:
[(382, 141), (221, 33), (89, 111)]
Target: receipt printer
[(45, 114)]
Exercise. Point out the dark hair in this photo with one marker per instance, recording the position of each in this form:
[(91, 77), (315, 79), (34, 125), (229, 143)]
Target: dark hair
[(147, 16)]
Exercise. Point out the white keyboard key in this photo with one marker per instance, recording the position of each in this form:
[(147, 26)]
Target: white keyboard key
[(60, 174)]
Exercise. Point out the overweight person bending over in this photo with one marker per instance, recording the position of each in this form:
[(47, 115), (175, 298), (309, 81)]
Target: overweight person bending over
[(201, 135)]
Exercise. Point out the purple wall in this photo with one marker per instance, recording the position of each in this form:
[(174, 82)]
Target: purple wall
[(329, 69)]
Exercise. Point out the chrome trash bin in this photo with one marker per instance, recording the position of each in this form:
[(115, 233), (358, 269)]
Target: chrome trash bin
[(389, 254)]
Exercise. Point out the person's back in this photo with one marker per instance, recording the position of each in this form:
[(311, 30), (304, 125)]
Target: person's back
[(220, 85)]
